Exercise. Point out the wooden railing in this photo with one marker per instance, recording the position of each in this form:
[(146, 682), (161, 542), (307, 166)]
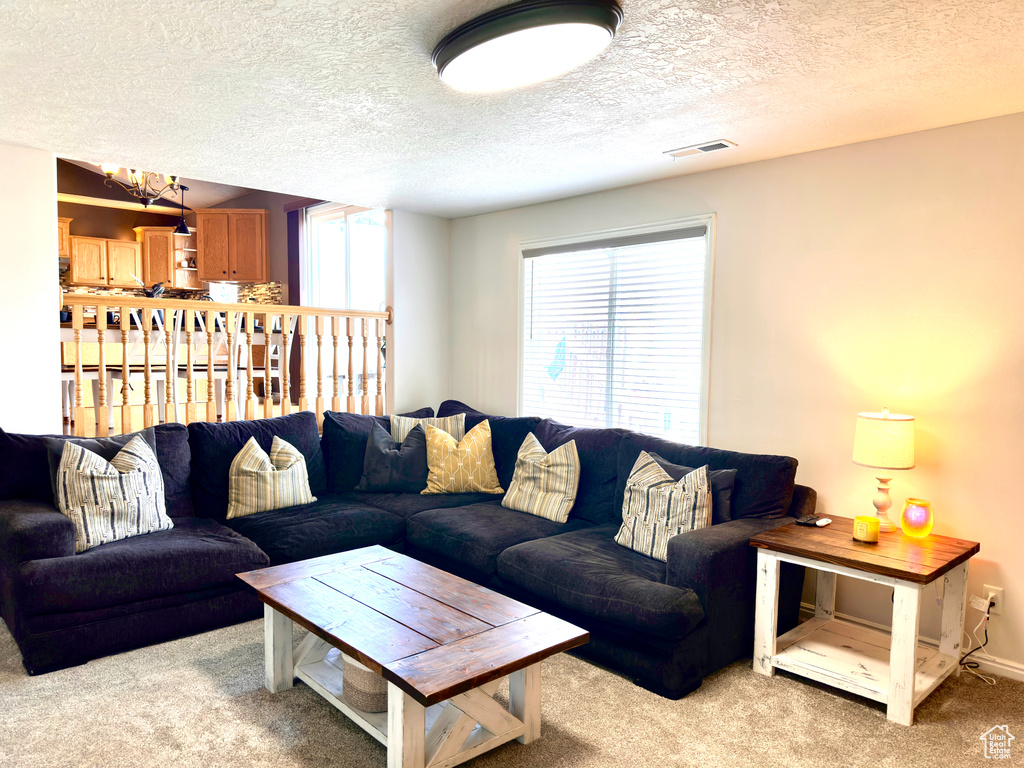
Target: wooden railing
[(216, 354)]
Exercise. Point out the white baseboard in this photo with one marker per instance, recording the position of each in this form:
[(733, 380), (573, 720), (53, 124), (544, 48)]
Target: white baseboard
[(997, 666)]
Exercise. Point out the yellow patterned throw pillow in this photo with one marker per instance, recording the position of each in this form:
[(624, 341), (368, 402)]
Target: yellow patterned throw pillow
[(260, 483), (465, 466), (544, 484)]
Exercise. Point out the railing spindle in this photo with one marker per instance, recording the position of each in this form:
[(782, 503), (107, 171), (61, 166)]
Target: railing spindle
[(366, 373), (211, 373), (336, 332), (268, 384), (284, 366), (190, 402), (230, 414), (126, 372), (301, 330), (250, 398), (149, 414), (380, 368), (350, 404), (170, 374), (77, 321), (102, 413), (320, 371)]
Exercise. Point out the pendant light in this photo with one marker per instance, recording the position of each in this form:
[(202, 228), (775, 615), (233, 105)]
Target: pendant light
[(182, 228), (525, 42)]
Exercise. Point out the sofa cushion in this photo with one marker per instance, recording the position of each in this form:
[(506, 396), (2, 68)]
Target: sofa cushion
[(195, 554), (405, 505), (214, 447), (588, 573), (392, 468), (764, 483), (332, 524), (507, 435), (344, 445), (598, 450), (476, 534), (26, 472)]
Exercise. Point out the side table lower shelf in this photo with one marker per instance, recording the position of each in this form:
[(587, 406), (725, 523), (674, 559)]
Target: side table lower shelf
[(855, 659)]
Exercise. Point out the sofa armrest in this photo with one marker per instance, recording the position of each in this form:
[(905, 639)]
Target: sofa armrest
[(805, 500), (719, 565), (33, 530)]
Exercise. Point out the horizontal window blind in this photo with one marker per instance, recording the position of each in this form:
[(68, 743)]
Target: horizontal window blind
[(613, 332)]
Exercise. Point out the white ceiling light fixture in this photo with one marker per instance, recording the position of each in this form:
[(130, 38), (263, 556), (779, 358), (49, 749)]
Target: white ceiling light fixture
[(525, 42)]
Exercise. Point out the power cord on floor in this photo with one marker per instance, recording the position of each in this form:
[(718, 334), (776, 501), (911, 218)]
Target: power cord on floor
[(985, 606)]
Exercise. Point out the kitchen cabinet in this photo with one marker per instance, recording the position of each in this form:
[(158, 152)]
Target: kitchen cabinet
[(99, 262), (163, 253), (64, 238), (233, 244)]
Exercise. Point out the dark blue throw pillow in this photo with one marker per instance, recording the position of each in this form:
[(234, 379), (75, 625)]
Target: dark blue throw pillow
[(392, 468), (344, 445), (722, 482)]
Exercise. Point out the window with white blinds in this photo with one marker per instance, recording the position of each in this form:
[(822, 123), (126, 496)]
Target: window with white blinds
[(615, 332)]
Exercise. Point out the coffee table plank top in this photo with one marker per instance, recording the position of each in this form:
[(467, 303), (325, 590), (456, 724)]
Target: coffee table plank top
[(432, 634), (485, 604), (371, 637), (443, 672), (895, 555)]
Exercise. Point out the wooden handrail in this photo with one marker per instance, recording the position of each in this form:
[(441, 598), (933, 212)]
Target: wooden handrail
[(217, 341)]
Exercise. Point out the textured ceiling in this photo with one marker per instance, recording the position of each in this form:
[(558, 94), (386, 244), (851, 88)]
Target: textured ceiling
[(339, 100)]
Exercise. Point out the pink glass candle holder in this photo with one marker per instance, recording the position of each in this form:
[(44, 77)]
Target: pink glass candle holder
[(917, 518)]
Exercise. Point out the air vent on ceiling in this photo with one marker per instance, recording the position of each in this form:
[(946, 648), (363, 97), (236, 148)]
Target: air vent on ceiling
[(702, 148)]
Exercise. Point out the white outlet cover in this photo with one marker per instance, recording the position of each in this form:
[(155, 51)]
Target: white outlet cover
[(997, 593)]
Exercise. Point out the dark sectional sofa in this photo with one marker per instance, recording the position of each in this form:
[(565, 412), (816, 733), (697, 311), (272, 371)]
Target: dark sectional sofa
[(666, 625)]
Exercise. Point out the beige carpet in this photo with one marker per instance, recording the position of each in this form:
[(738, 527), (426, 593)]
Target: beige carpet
[(201, 702)]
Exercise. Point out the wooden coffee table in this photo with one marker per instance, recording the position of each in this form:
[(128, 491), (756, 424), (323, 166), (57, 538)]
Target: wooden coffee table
[(892, 668), (443, 644)]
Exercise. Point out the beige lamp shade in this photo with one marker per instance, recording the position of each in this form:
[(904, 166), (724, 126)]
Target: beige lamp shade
[(884, 440)]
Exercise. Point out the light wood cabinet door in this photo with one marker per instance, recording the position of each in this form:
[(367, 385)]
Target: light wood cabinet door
[(64, 238), (212, 258), (88, 261), (124, 263), (248, 249), (157, 256)]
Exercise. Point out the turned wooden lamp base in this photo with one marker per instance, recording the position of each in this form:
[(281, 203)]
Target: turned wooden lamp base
[(882, 502)]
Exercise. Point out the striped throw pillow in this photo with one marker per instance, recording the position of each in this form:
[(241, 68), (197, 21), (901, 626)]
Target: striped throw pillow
[(261, 483), (544, 484), (453, 425), (655, 507), (466, 466), (111, 500)]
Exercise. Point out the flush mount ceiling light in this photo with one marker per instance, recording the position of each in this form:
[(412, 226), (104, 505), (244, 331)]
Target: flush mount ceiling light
[(525, 42)]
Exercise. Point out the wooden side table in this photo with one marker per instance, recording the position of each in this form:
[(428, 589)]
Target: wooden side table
[(893, 668)]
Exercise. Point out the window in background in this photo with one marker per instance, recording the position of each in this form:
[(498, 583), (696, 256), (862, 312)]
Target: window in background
[(616, 330), (343, 264)]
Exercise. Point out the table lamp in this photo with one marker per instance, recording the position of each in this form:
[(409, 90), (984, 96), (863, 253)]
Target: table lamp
[(884, 441)]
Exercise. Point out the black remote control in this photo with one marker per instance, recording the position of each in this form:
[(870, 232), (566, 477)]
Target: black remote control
[(808, 520)]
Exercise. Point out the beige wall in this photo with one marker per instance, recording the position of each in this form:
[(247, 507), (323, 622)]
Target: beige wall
[(888, 273), (29, 282), (419, 290)]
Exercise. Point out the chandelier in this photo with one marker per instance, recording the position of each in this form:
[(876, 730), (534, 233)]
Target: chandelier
[(148, 187)]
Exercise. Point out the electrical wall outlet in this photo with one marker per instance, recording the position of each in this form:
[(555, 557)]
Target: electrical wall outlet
[(995, 595)]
